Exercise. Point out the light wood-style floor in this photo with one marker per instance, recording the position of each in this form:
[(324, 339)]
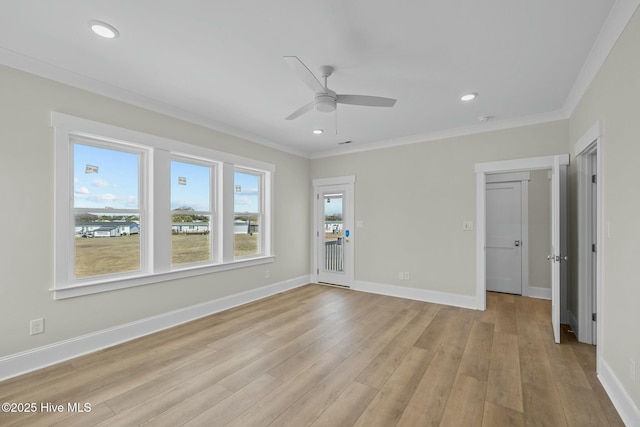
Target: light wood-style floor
[(325, 356)]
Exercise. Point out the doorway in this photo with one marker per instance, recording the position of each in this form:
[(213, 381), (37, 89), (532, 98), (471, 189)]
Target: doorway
[(557, 257), (334, 230), (585, 307)]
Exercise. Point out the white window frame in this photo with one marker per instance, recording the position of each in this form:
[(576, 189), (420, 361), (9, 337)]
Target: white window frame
[(154, 205)]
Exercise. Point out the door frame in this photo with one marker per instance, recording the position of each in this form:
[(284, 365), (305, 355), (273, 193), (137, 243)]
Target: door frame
[(482, 170), (589, 144), (523, 178), (348, 182)]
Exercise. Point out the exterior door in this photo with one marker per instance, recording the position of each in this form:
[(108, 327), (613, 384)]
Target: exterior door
[(334, 234), (504, 237)]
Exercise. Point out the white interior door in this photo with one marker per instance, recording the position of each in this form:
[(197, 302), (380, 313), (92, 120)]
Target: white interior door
[(334, 234), (504, 237), (555, 257)]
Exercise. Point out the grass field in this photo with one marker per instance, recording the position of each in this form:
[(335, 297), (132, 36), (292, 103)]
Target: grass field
[(109, 255)]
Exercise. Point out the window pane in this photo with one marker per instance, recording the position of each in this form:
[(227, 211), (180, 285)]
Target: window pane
[(106, 244), (247, 193), (246, 235), (190, 241), (104, 178), (247, 214), (190, 213), (190, 187)]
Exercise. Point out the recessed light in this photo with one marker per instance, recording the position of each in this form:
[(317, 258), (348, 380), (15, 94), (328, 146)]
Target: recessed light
[(318, 131), (468, 96), (103, 29)]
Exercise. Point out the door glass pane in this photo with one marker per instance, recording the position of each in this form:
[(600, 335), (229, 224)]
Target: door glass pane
[(333, 233), (190, 213)]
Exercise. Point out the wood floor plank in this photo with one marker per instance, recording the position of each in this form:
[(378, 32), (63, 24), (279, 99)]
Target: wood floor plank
[(476, 358), (388, 405), (233, 406), (319, 355), (272, 405), (430, 397), (465, 406), (504, 385), (348, 407), (496, 415), (381, 368), (437, 329)]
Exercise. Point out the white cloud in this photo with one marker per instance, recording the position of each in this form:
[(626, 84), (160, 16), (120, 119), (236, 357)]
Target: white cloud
[(81, 193), (100, 182)]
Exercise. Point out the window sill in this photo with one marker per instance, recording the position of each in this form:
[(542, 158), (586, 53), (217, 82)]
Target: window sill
[(98, 286)]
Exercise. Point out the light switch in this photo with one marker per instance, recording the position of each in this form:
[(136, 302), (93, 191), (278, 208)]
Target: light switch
[(467, 225)]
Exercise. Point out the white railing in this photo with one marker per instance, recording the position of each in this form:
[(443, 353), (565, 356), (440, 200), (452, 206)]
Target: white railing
[(334, 255)]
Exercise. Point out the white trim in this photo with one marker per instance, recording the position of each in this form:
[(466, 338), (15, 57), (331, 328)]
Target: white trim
[(529, 163), (509, 177), (538, 292), (156, 256), (624, 404), (591, 141), (346, 184), (337, 180), (31, 360), (436, 297)]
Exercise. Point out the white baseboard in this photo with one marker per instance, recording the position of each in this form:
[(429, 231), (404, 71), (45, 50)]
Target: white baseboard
[(464, 301), (626, 407), (537, 292), (41, 357)]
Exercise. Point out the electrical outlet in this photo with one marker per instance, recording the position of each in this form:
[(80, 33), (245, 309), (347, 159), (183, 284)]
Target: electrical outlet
[(36, 326), (267, 274), (407, 276), (467, 225), (401, 275), (632, 369)]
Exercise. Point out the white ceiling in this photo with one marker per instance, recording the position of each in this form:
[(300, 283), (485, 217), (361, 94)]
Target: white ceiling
[(219, 63)]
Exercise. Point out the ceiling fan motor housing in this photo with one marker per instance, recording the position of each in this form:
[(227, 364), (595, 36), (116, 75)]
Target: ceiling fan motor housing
[(325, 102)]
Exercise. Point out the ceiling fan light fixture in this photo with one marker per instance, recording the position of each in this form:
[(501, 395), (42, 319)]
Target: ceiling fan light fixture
[(469, 96), (103, 29), (325, 103)]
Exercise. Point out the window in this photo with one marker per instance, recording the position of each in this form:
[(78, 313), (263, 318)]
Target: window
[(133, 209), (247, 206), (106, 209), (191, 215)]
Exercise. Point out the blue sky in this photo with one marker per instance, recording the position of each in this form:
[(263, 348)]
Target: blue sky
[(246, 195), (114, 184), (195, 190), (109, 178)]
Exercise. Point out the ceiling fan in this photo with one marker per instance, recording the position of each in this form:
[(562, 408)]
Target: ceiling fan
[(325, 99)]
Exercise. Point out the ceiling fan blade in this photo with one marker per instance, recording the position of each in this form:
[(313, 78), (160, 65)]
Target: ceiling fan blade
[(300, 111), (304, 74), (367, 101)]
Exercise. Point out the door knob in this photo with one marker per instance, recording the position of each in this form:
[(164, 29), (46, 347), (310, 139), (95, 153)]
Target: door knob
[(517, 242)]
